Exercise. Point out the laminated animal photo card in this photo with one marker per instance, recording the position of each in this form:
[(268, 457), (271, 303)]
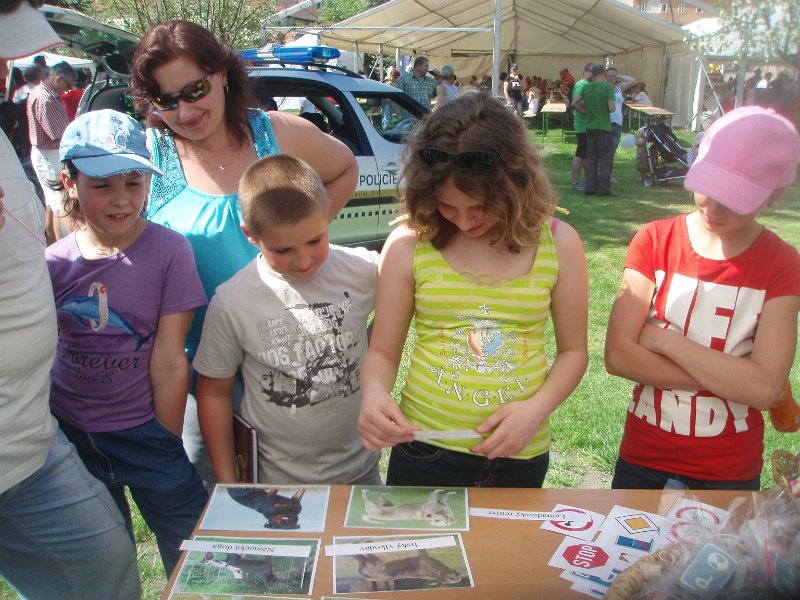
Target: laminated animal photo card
[(395, 563), (407, 508), (261, 508), (182, 596), (246, 567)]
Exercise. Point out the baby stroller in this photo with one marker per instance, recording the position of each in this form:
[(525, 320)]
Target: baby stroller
[(660, 156)]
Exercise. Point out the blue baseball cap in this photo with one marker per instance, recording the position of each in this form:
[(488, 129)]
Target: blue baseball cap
[(106, 142)]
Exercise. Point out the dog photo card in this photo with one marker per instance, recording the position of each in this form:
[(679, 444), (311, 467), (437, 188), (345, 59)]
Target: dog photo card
[(395, 563), (408, 508), (263, 508), (247, 567)]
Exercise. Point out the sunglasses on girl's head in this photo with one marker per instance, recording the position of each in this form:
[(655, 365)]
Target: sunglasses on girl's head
[(476, 161), (191, 92)]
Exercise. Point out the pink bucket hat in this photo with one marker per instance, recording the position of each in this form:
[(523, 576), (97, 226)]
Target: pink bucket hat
[(744, 157)]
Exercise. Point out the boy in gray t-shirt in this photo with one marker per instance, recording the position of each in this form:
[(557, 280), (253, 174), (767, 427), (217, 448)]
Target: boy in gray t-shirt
[(294, 321)]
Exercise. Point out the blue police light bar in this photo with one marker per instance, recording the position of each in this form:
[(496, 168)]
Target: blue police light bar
[(249, 54), (306, 54)]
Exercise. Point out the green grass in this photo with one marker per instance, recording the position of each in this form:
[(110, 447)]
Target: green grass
[(587, 428)]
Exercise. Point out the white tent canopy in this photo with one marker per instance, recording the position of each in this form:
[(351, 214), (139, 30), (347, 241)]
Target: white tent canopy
[(53, 59), (543, 36)]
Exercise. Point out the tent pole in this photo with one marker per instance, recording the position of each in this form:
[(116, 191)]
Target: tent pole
[(741, 73), (380, 62), (498, 4)]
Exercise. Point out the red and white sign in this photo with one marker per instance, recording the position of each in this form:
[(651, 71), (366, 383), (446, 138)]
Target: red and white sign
[(584, 525), (584, 557)]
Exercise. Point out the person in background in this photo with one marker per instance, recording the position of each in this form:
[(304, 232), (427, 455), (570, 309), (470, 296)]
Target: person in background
[(195, 94), (447, 90), (595, 101), (47, 120), (480, 285), (40, 60), (17, 81), (61, 536), (32, 76), (299, 293), (417, 84), (705, 321), (621, 84), (72, 97), (514, 89), (579, 122), (640, 94)]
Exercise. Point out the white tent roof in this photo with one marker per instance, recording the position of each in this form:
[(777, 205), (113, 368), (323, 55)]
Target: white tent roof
[(543, 36), (53, 59), (529, 28)]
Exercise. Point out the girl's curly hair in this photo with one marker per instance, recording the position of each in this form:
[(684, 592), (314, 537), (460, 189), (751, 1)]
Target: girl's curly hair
[(516, 190)]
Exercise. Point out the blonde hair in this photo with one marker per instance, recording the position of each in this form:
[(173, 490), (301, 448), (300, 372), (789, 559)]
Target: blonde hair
[(516, 189), (280, 190)]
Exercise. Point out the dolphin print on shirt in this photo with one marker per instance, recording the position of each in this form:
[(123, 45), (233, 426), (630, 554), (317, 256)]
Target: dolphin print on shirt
[(93, 311)]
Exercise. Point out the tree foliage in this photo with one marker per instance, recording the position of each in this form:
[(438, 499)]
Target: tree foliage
[(333, 11), (235, 21), (757, 29)]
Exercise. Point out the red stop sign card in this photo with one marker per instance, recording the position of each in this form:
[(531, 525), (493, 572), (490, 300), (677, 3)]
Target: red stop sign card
[(584, 557)]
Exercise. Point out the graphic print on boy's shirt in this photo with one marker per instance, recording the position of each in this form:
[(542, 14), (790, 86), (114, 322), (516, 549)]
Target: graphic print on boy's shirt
[(306, 352)]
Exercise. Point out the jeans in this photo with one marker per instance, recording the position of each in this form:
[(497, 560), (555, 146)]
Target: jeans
[(61, 536), (630, 476), (616, 135), (421, 464), (150, 460), (599, 154)]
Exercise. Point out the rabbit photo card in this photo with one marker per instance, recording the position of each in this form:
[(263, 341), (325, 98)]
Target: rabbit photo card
[(408, 508), (265, 507), (394, 563)]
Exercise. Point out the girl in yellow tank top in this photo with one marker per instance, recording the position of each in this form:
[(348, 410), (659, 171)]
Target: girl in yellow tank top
[(480, 266)]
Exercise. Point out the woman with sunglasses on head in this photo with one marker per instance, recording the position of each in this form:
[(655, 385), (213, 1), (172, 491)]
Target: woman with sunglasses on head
[(479, 265), (195, 93)]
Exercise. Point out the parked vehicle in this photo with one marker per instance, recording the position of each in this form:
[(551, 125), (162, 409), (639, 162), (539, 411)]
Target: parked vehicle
[(371, 118)]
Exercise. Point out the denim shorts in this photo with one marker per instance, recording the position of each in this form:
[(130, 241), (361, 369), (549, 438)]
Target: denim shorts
[(630, 476), (150, 460), (421, 464)]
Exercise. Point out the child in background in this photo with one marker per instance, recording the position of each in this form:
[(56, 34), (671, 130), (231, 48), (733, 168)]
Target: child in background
[(481, 267), (294, 320), (705, 321), (125, 291)]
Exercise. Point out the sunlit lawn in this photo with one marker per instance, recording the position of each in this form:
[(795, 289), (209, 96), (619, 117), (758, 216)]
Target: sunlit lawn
[(588, 427)]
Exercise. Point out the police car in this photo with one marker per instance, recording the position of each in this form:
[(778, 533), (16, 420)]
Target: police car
[(371, 118)]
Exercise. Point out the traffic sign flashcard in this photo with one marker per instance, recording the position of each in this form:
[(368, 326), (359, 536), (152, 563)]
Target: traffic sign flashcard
[(584, 557), (578, 522), (687, 519), (709, 571), (588, 589), (631, 531)]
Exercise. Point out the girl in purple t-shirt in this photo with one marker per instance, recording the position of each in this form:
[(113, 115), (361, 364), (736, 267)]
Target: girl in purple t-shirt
[(125, 291)]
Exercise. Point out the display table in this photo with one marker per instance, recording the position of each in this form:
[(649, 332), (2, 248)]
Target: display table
[(508, 558), (645, 115), (553, 109)]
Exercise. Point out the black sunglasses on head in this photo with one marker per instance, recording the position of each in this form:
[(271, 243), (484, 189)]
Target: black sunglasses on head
[(191, 92), (475, 161)]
